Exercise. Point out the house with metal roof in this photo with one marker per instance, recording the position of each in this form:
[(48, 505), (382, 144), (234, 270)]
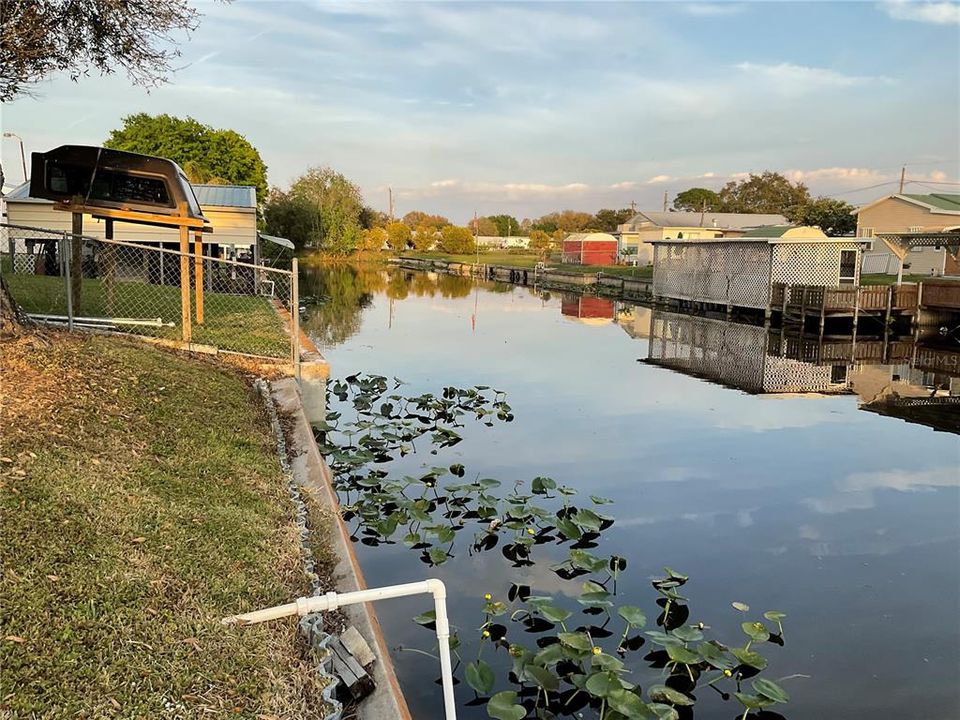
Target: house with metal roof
[(909, 213), (231, 209), (646, 226)]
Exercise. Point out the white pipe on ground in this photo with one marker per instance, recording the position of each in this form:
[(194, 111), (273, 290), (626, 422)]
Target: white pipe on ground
[(331, 601)]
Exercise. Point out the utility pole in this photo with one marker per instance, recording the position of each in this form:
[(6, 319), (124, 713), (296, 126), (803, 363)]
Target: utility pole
[(390, 201), (703, 211), (903, 174), (633, 206), (664, 200)]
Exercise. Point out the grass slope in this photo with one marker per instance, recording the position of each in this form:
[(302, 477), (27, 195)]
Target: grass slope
[(141, 501)]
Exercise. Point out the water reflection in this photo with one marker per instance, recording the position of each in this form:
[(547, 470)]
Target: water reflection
[(846, 520), (900, 377)]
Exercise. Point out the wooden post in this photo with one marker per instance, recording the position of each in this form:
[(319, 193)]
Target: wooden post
[(76, 262), (185, 283), (110, 268), (198, 273)]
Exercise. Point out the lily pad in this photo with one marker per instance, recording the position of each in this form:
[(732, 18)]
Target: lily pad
[(664, 694), (770, 689), (633, 615), (503, 706), (480, 676)]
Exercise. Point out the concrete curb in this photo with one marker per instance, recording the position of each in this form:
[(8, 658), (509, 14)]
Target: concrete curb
[(311, 473)]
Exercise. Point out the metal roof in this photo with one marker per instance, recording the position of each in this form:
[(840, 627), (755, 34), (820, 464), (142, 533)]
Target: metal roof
[(942, 201), (282, 242), (235, 196), (728, 221), (238, 196)]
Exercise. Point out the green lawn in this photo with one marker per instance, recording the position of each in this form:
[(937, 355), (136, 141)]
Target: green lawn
[(241, 323), (141, 501), (884, 279), (529, 261)]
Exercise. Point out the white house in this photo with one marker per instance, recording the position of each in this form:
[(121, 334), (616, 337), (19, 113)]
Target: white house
[(231, 210)]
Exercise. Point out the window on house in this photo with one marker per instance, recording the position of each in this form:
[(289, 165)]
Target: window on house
[(866, 232), (916, 228), (848, 267)]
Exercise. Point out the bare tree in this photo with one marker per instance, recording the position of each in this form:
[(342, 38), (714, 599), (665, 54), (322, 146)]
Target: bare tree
[(41, 37)]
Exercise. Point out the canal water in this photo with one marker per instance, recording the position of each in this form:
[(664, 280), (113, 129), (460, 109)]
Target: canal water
[(720, 463)]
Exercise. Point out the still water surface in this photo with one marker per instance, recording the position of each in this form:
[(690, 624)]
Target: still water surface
[(846, 520)]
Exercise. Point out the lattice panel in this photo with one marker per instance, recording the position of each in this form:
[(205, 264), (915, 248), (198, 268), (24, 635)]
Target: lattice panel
[(733, 354), (721, 273), (809, 263), (729, 353)]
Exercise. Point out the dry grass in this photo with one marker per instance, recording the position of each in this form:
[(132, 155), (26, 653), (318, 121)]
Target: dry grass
[(141, 501)]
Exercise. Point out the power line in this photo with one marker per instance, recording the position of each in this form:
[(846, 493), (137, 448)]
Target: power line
[(868, 187), (934, 182), (928, 187)]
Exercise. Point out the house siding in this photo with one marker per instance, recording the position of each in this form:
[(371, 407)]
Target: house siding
[(894, 215), (231, 226)]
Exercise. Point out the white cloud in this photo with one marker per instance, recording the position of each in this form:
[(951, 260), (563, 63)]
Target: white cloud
[(656, 179), (938, 13), (856, 491), (712, 9), (790, 79), (625, 185)]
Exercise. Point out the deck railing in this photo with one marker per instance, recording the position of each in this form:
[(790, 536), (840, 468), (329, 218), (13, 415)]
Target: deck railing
[(941, 294), (810, 299)]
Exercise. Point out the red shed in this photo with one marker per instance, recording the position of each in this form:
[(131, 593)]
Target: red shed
[(590, 249)]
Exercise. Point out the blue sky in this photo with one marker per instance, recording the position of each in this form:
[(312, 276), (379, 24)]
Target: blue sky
[(528, 107)]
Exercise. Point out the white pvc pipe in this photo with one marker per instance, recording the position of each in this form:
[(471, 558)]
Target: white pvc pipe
[(331, 601)]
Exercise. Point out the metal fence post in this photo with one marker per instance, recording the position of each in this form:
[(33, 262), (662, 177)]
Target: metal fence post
[(65, 250), (295, 317)]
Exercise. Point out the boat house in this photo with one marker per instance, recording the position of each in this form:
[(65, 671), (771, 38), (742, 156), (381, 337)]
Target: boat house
[(742, 272)]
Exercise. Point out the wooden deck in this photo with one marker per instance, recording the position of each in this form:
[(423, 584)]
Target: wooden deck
[(800, 301)]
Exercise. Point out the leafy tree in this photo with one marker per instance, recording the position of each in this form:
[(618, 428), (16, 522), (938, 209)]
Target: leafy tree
[(322, 210), (506, 224), (456, 240), (832, 216), (608, 220), (768, 192), (372, 239), (207, 155), (565, 220), (697, 199), (484, 226), (541, 242), (424, 237), (416, 218), (38, 39), (288, 216), (398, 235), (370, 218)]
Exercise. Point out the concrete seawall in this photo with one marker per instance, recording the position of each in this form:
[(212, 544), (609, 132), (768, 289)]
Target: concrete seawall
[(615, 286)]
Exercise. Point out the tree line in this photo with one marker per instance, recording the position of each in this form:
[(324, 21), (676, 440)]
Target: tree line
[(323, 210)]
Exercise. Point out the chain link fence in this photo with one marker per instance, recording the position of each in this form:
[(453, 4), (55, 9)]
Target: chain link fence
[(110, 285)]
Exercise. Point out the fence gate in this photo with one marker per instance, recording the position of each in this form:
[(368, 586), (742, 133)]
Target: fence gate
[(126, 287)]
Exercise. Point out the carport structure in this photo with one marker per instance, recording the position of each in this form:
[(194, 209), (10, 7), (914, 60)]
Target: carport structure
[(902, 243)]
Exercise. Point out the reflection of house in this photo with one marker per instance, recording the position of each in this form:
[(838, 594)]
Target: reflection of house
[(635, 320), (638, 231), (590, 249), (736, 354), (740, 272), (592, 310), (908, 213), (231, 209)]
